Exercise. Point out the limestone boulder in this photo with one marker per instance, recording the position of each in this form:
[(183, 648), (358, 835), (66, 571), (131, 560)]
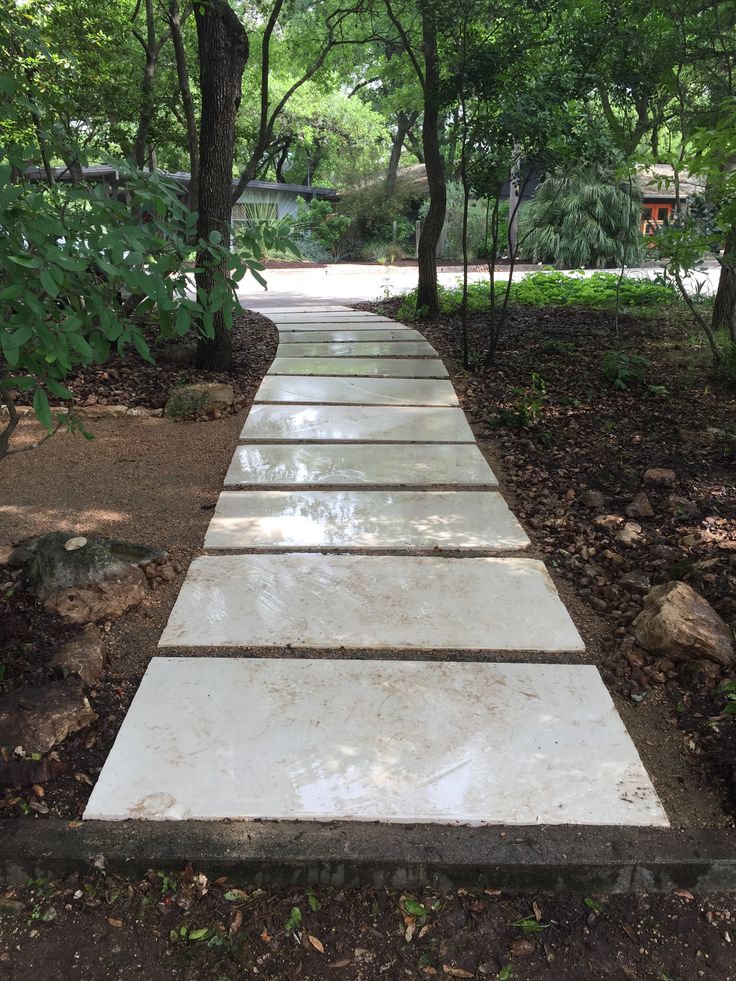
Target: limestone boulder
[(37, 719), (83, 656), (99, 579), (188, 400), (679, 623)]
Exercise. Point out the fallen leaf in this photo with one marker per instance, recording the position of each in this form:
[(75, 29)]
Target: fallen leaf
[(113, 922), (684, 894), (424, 930), (84, 778), (343, 963), (410, 928), (492, 892), (316, 943), (266, 937), (236, 923), (233, 895), (38, 790), (630, 932), (537, 912), (523, 947), (457, 972)]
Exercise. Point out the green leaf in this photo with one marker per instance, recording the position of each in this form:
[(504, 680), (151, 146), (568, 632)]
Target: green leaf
[(139, 343), (413, 908), (506, 973), (42, 409), (49, 283), (295, 919), (198, 934)]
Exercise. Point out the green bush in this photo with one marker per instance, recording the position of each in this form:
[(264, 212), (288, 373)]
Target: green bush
[(552, 288), (620, 369), (585, 219), (453, 227)]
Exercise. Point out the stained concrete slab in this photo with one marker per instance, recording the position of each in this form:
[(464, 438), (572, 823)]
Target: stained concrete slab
[(380, 349), (403, 334), (393, 742), (360, 367), (330, 316), (370, 602), (350, 423), (338, 324), (382, 520), (356, 391), (413, 465)]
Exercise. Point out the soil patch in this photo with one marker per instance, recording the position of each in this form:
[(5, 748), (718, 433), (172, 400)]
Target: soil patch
[(187, 927)]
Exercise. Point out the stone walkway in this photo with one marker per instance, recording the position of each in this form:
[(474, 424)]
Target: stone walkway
[(360, 528)]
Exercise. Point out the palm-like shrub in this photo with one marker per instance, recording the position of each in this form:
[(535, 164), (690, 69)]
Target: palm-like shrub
[(583, 220)]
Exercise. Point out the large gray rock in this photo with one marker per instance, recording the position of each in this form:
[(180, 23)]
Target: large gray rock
[(83, 656), (40, 718), (678, 623), (82, 583), (188, 400)]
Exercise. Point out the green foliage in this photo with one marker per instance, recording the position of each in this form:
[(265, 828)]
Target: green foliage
[(267, 238), (453, 227), (728, 690), (527, 407), (553, 288), (372, 213), (620, 369), (584, 219), (320, 223), (294, 920), (385, 253)]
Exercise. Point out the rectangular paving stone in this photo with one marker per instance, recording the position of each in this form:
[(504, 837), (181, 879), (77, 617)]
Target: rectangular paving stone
[(382, 519), (415, 349), (360, 367), (388, 741), (365, 423), (370, 602), (312, 317), (356, 391), (392, 465), (341, 324), (403, 334)]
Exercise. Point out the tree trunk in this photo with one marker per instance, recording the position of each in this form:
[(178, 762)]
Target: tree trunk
[(182, 74), (404, 123), (427, 297), (223, 53), (724, 309)]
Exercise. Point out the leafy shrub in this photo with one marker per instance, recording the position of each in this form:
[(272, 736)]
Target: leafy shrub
[(318, 222), (585, 219), (527, 407), (371, 214), (385, 253), (453, 227), (553, 288), (620, 368)]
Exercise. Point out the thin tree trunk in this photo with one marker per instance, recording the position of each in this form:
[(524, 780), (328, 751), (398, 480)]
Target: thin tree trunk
[(404, 123), (182, 73), (152, 49), (724, 309), (427, 296), (223, 53), (6, 399)]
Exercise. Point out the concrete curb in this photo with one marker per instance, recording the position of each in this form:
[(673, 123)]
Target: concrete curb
[(515, 859)]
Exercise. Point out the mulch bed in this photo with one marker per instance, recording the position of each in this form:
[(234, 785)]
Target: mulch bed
[(591, 436), (133, 382), (187, 927)]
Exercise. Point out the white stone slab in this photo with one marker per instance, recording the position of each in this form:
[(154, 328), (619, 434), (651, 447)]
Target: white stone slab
[(356, 391), (364, 520), (360, 367), (339, 324), (395, 465), (351, 423), (403, 334), (370, 602), (329, 316), (376, 349), (387, 741)]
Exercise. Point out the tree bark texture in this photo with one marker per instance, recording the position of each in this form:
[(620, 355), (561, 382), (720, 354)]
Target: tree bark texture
[(427, 297), (404, 123), (223, 53), (724, 309)]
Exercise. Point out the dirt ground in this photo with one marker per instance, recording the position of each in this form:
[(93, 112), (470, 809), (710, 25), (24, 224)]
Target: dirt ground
[(184, 926)]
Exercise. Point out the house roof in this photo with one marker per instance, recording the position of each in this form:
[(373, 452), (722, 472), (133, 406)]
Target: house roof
[(657, 183), (183, 177), (99, 172)]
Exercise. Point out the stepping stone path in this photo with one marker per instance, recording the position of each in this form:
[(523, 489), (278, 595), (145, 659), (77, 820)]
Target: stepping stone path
[(360, 562)]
